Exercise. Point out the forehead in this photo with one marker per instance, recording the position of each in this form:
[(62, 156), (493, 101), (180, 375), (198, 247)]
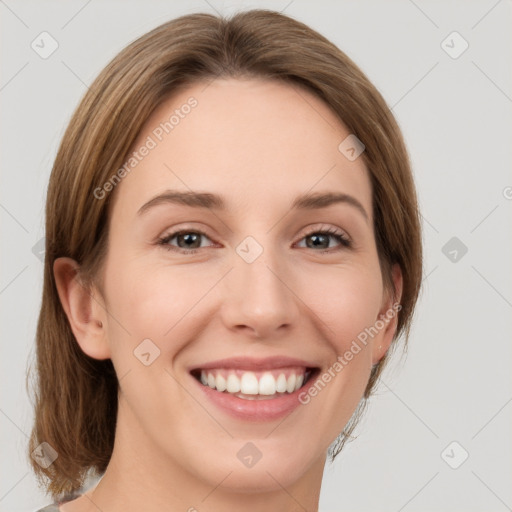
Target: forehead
[(258, 143)]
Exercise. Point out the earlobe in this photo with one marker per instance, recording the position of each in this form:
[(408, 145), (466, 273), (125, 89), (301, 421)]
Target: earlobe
[(388, 316), (84, 309)]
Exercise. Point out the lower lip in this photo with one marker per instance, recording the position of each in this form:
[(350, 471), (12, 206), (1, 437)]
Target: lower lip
[(254, 410)]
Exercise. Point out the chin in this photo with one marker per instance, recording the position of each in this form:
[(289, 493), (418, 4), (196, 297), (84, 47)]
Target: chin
[(260, 466)]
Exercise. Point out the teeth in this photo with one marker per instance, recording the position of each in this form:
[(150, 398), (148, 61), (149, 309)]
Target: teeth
[(248, 383), (281, 383), (233, 384), (267, 384), (290, 387), (220, 383)]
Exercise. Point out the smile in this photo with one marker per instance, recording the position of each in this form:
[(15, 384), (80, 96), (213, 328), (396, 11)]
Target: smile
[(254, 385), (254, 389)]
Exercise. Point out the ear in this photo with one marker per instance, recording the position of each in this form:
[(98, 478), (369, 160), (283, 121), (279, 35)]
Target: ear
[(388, 316), (84, 308)]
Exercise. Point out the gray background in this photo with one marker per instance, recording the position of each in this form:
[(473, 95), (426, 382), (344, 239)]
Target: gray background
[(454, 384)]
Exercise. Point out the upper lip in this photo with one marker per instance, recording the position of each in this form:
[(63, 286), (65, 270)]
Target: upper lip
[(252, 363)]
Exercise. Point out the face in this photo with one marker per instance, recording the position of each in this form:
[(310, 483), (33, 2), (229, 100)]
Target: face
[(276, 286)]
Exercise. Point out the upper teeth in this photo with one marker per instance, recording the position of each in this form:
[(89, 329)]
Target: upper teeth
[(250, 383)]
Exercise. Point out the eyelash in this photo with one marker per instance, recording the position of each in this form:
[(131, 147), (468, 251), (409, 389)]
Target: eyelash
[(340, 237)]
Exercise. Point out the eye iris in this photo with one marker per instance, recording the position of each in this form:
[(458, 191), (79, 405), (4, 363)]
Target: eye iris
[(193, 237), (316, 237)]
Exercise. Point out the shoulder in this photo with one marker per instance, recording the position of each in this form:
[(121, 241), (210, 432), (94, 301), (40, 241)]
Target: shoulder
[(54, 507)]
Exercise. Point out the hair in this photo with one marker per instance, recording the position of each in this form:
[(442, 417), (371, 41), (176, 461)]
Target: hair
[(75, 395)]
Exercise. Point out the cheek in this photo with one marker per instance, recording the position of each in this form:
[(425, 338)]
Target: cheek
[(346, 299), (155, 301), (346, 302)]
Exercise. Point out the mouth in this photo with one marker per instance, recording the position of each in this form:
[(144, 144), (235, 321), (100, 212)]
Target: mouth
[(263, 384), (254, 389)]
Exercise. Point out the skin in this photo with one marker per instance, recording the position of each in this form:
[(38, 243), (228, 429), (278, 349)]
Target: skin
[(259, 144)]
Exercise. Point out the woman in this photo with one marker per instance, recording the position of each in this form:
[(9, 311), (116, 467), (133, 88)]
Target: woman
[(233, 248)]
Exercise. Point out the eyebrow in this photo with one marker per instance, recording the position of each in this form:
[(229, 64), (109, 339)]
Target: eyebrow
[(212, 201)]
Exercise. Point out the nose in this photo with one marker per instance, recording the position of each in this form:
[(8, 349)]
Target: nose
[(258, 298)]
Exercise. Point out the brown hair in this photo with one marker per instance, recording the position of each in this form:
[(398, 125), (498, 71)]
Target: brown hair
[(76, 396)]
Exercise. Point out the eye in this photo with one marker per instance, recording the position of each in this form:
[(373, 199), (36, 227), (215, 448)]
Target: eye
[(188, 241), (321, 238)]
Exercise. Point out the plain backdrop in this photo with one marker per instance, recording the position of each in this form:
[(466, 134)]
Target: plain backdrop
[(451, 397)]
